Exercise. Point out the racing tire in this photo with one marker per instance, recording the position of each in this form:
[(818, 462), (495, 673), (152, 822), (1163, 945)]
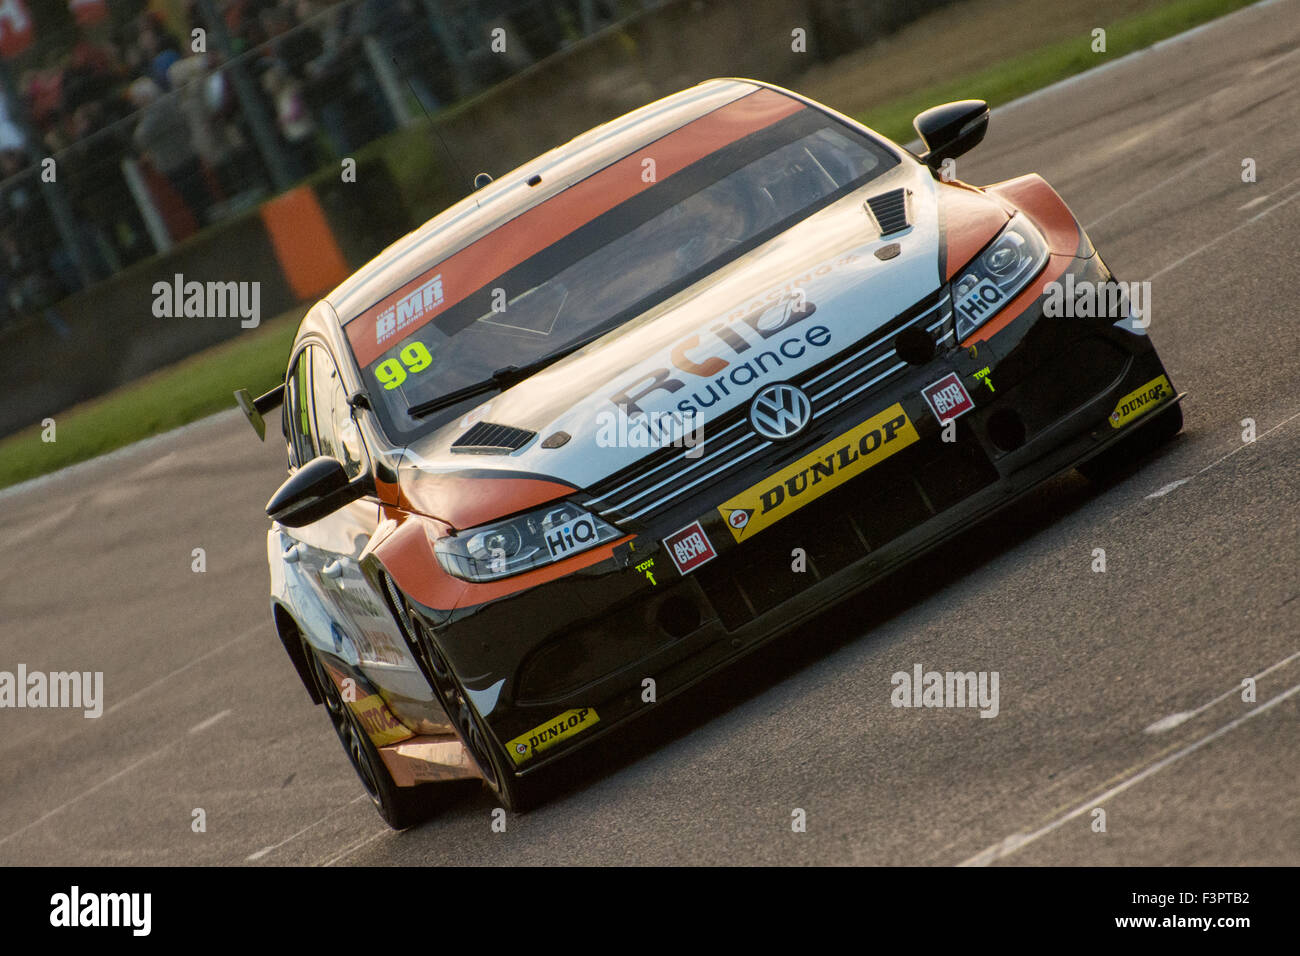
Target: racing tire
[(401, 807), (493, 763), (1114, 461)]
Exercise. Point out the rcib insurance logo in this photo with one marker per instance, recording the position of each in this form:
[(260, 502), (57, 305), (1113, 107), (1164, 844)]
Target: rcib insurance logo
[(409, 310), (689, 548), (947, 398)]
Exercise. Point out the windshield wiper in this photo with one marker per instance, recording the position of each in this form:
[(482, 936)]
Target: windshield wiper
[(500, 380)]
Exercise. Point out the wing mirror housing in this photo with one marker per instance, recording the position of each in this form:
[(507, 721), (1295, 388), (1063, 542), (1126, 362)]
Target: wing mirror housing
[(255, 408), (317, 489), (951, 129)]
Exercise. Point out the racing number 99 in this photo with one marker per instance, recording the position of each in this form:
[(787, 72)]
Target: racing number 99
[(415, 358)]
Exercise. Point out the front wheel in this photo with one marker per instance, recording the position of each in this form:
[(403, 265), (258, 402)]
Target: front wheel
[(401, 807), (493, 763)]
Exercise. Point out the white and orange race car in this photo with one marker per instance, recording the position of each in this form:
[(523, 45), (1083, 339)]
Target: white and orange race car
[(664, 393)]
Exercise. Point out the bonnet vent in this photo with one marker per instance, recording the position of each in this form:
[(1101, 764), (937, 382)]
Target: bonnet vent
[(890, 211), (485, 438)]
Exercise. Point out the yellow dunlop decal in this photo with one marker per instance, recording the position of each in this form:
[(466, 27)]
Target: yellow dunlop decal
[(381, 726), (818, 472), (1140, 401), (549, 734)]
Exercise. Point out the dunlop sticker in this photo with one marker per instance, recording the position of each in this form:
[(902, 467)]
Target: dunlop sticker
[(1140, 401), (547, 735), (817, 472)]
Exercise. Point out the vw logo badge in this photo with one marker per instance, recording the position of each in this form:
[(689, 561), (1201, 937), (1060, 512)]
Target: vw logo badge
[(780, 412)]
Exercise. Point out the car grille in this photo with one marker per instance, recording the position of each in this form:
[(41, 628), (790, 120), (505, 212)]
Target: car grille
[(641, 491)]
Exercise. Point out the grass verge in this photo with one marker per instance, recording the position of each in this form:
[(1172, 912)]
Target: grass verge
[(192, 388)]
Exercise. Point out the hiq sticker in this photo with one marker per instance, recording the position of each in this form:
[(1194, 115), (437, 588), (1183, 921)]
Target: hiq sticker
[(573, 535)]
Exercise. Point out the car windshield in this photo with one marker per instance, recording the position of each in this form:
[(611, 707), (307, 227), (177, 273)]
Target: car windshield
[(623, 261)]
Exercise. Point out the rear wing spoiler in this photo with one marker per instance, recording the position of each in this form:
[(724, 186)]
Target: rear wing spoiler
[(255, 408)]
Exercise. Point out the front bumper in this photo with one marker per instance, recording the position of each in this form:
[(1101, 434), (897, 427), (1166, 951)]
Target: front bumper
[(1044, 390)]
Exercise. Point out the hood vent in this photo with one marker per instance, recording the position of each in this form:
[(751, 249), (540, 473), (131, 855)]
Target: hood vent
[(890, 211), (485, 438)]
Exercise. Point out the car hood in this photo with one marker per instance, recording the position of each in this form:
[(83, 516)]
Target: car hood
[(793, 302)]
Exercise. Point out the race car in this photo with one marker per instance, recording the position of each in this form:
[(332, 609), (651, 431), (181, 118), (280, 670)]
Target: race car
[(631, 410)]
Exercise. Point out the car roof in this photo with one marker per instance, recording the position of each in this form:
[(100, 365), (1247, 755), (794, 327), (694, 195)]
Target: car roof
[(505, 198)]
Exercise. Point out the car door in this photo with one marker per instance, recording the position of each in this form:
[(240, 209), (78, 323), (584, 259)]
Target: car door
[(299, 559), (361, 629)]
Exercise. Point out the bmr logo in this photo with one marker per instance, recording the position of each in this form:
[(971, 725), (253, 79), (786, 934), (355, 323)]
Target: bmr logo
[(409, 309), (573, 535)]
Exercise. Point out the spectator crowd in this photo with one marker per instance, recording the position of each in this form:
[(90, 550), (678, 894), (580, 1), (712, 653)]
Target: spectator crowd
[(151, 139)]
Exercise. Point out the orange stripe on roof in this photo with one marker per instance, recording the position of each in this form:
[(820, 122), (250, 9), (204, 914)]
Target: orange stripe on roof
[(468, 270)]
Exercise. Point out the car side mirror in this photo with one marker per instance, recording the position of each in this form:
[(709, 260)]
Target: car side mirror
[(317, 489), (951, 129), (255, 408)]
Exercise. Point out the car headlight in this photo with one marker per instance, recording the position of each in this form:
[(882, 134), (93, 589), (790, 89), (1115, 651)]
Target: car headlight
[(997, 274), (522, 543)]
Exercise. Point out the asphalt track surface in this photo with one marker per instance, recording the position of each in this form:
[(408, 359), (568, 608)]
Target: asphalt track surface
[(203, 709)]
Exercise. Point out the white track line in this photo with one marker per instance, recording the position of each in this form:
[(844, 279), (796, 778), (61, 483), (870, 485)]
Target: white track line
[(1267, 196), (1165, 489), (1173, 485), (289, 839), (85, 793), (184, 667), (1235, 229), (356, 846), (1168, 179), (105, 782), (150, 686), (917, 146), (1247, 444), (204, 725), (1018, 841), (1182, 716)]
